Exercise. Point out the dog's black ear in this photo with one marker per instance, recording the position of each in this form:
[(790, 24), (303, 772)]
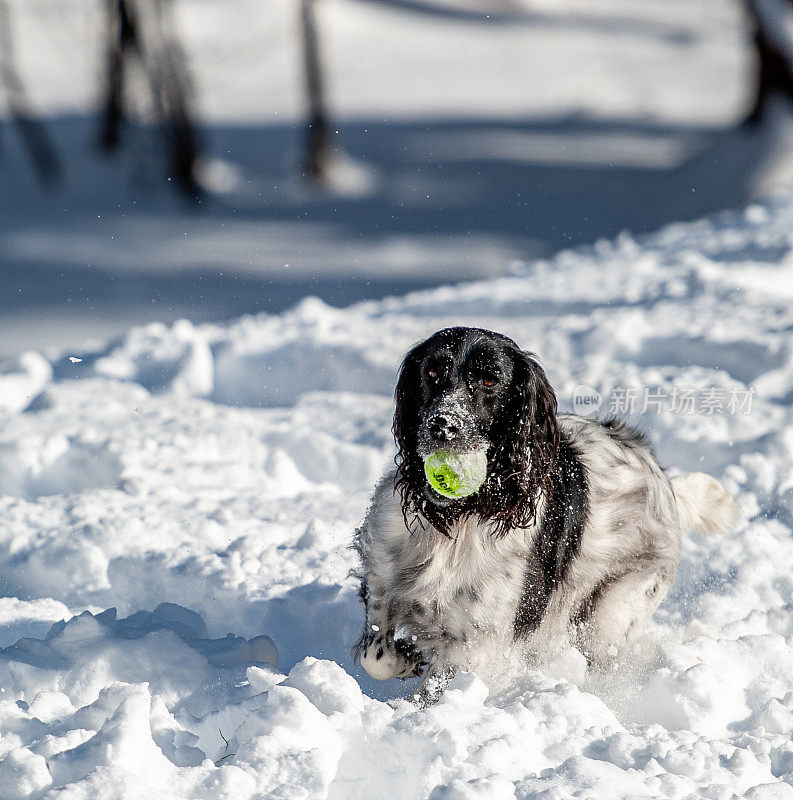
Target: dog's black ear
[(527, 433), (407, 422), (408, 403), (539, 420)]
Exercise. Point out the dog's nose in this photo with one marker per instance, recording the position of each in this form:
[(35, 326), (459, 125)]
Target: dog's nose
[(442, 427)]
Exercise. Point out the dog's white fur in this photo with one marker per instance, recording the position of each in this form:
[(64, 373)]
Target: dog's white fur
[(455, 599)]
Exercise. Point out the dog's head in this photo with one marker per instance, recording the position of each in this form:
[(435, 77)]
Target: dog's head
[(467, 389)]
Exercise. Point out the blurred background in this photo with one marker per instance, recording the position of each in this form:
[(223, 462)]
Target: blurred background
[(209, 158)]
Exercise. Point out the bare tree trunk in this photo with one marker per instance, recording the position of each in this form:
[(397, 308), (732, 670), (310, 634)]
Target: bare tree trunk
[(775, 55), (318, 140), (140, 27), (122, 38), (170, 85), (40, 149)]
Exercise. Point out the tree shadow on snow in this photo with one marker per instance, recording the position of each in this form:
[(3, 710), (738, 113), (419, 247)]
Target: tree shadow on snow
[(411, 204)]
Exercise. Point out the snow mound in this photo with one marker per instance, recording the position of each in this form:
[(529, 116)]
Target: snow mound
[(21, 380), (56, 464), (55, 650)]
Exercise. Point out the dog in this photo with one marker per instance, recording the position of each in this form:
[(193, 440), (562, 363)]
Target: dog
[(574, 536)]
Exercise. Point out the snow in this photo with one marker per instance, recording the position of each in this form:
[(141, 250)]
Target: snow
[(179, 484), (185, 482)]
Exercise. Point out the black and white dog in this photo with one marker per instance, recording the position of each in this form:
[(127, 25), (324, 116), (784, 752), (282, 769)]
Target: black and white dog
[(574, 535)]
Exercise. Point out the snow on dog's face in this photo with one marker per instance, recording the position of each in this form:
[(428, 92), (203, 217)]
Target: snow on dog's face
[(468, 391)]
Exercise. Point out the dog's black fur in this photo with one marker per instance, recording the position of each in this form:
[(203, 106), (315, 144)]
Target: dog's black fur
[(559, 537)]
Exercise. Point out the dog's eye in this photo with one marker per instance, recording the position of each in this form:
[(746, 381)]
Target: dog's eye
[(489, 380), (431, 373)]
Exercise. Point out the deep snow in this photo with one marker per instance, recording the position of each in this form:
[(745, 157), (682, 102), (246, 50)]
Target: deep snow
[(223, 469)]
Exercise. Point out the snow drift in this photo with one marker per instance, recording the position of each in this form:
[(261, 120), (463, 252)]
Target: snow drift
[(220, 470)]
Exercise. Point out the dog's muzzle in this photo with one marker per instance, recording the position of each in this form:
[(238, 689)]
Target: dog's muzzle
[(450, 424)]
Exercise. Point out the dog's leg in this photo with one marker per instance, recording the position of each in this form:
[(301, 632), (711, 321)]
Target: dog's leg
[(384, 657), (381, 654), (616, 611), (432, 685)]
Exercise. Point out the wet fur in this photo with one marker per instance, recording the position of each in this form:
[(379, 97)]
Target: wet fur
[(575, 534)]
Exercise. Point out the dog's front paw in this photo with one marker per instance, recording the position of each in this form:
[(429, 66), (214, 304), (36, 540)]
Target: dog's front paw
[(383, 657), (412, 658)]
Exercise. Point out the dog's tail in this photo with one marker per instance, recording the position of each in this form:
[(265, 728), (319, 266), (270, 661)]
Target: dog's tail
[(703, 504)]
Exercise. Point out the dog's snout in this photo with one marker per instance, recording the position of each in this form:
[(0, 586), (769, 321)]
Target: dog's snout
[(443, 427)]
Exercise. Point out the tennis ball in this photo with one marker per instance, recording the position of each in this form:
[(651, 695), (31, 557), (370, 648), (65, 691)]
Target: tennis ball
[(456, 475)]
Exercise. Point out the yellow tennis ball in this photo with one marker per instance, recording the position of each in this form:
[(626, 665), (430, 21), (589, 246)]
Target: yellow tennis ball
[(456, 475)]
